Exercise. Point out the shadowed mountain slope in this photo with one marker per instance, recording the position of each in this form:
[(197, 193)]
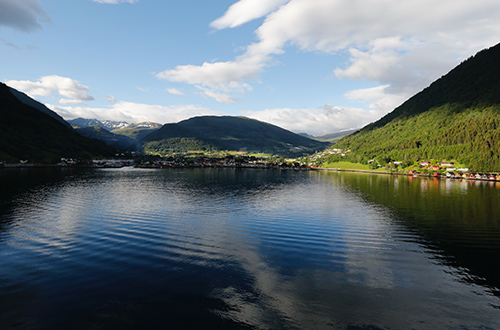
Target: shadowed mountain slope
[(28, 133)]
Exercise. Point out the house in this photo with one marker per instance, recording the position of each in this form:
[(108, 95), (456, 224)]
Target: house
[(424, 163), (446, 164)]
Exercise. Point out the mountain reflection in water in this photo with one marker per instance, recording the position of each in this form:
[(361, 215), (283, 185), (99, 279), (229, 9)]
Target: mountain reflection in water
[(457, 220), (246, 249)]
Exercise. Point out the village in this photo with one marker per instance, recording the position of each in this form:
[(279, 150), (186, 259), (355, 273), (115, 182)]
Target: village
[(431, 168), (318, 161)]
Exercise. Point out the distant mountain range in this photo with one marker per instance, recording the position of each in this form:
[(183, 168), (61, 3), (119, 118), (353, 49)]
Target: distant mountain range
[(210, 133), (334, 137), (111, 125), (204, 133), (114, 140), (30, 131), (456, 118), (119, 134)]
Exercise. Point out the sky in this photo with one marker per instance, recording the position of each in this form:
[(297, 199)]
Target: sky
[(309, 66)]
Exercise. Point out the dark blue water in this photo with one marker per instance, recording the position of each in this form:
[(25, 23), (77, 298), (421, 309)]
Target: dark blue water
[(246, 249)]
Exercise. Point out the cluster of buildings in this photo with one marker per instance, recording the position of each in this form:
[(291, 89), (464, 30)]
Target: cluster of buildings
[(446, 166), (327, 152), (240, 162)]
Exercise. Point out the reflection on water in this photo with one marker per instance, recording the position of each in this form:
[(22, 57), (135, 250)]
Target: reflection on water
[(458, 220), (246, 249)]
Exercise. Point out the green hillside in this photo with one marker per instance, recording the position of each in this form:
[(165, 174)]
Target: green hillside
[(456, 118), (29, 134), (210, 133), (137, 131)]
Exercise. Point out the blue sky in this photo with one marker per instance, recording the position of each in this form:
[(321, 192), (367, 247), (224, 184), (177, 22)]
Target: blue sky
[(314, 66)]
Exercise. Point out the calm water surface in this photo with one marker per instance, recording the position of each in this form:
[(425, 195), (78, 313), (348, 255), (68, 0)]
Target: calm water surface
[(246, 249)]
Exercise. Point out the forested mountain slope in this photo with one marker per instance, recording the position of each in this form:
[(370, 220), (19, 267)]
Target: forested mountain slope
[(456, 117), (228, 133)]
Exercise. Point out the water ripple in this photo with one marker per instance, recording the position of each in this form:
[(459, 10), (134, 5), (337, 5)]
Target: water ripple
[(246, 249)]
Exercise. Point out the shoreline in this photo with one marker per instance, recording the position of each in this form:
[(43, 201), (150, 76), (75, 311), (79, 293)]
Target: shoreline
[(407, 174), (246, 166)]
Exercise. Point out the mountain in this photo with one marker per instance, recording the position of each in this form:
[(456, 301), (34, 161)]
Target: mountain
[(37, 105), (30, 131), (83, 122), (137, 131), (119, 134), (107, 124), (111, 139), (113, 124), (333, 137), (228, 133), (456, 118)]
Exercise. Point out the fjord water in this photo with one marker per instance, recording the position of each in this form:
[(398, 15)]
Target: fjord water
[(246, 249)]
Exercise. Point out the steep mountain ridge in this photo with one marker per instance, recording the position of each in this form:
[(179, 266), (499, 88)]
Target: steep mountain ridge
[(30, 131), (37, 105), (456, 118)]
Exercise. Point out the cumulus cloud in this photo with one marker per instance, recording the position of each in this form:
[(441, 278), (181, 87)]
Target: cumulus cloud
[(380, 98), (25, 15), (316, 121), (115, 2), (134, 112), (221, 80), (72, 90), (399, 44)]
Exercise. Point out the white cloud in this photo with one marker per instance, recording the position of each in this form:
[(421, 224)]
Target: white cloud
[(245, 11), (25, 15), (134, 112), (380, 98), (175, 91), (219, 97), (67, 87), (111, 98), (70, 101), (322, 120), (114, 2), (399, 44), (221, 80)]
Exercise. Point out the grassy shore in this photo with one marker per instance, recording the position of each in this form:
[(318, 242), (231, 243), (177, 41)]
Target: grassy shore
[(357, 167), (346, 166)]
